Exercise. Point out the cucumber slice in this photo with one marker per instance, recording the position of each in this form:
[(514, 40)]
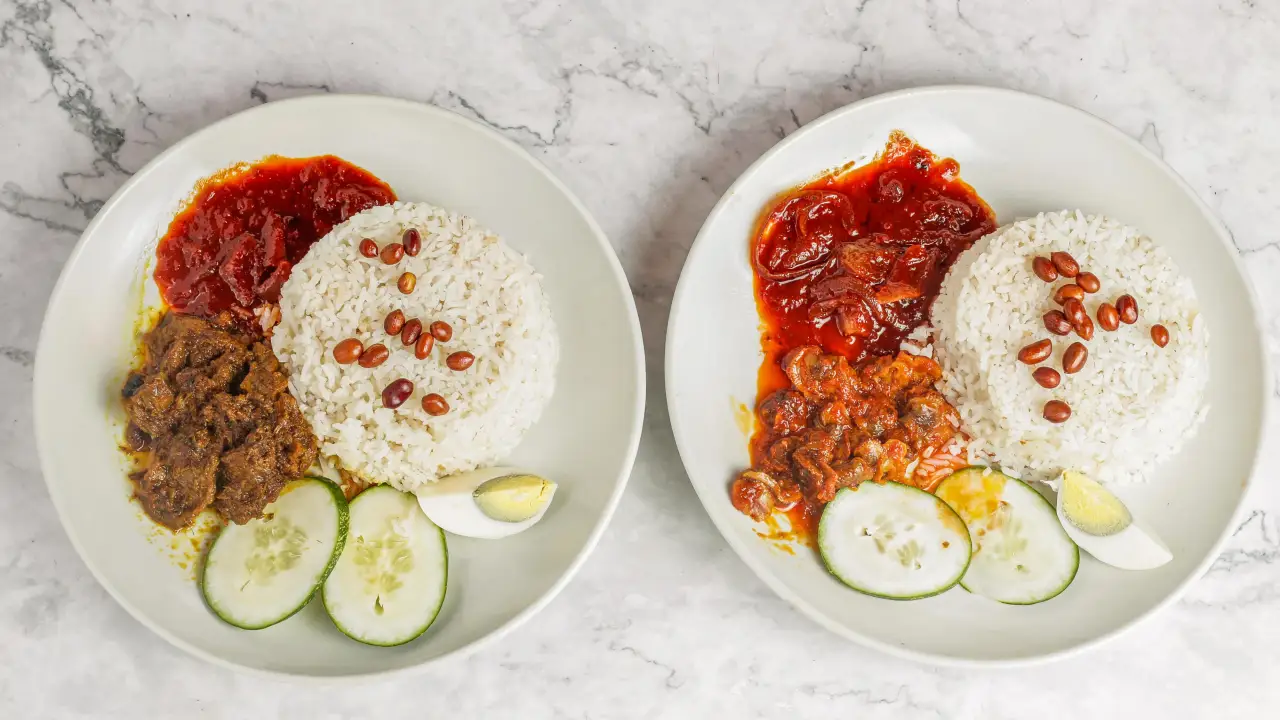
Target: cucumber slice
[(1021, 554), (893, 541), (260, 573), (390, 581)]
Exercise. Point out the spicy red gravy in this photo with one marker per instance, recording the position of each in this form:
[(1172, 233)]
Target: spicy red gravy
[(848, 265), (233, 246)]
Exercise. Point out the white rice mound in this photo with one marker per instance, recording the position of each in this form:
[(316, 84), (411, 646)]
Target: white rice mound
[(1133, 404), (467, 277)]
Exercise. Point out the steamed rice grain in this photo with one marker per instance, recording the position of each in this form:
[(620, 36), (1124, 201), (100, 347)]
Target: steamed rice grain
[(1133, 404), (467, 277)]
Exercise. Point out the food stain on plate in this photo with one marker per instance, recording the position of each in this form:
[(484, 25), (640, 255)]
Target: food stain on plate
[(743, 418), (783, 539), (184, 549)]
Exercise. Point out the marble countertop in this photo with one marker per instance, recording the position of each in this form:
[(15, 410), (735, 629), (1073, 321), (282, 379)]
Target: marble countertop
[(648, 110)]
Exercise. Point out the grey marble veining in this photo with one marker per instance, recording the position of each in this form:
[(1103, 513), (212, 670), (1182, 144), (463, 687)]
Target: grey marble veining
[(648, 110)]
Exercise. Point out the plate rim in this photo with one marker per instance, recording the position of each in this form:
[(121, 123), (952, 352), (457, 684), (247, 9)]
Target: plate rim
[(701, 244), (40, 381)]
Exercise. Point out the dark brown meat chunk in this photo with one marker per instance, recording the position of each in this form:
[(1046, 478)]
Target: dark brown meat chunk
[(854, 320), (131, 384), (890, 376), (929, 421), (250, 478), (840, 425), (173, 494), (214, 410), (817, 375), (752, 497), (296, 446), (835, 415), (233, 416), (136, 439), (758, 493), (880, 415), (150, 405), (785, 412), (777, 458), (812, 462), (264, 378), (866, 260), (854, 472)]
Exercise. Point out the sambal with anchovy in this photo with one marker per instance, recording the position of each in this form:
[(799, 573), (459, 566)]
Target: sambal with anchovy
[(846, 266)]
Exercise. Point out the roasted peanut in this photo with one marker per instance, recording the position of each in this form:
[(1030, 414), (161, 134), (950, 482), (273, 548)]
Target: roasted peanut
[(1074, 358), (441, 331), (1084, 328), (392, 253), (1044, 269), (1074, 310), (1160, 335), (1088, 282), (1108, 317), (1047, 377), (411, 331), (374, 356), (407, 282), (460, 360), (348, 351), (1056, 411), (1068, 292), (1056, 322), (1036, 351), (396, 393), (1066, 265), (394, 322), (422, 348), (412, 242), (1127, 307), (434, 404)]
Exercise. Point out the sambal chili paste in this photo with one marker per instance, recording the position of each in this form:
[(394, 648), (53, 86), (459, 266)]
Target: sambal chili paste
[(846, 266), (233, 246)]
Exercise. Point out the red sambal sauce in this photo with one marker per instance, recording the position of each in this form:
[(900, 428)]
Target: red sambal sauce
[(234, 245), (852, 260)]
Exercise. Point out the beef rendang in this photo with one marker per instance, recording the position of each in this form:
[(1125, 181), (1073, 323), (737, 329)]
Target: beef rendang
[(212, 416)]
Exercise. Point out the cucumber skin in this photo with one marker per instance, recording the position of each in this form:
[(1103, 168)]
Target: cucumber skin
[(901, 598), (1074, 570), (343, 521), (439, 606)]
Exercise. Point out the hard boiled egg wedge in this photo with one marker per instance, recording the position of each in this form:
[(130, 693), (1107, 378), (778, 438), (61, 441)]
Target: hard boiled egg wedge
[(1098, 522), (489, 504)]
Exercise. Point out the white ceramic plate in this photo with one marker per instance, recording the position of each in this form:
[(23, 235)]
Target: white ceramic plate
[(586, 440), (1022, 154)]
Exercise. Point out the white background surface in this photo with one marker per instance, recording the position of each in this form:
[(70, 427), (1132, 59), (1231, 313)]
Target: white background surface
[(648, 110)]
